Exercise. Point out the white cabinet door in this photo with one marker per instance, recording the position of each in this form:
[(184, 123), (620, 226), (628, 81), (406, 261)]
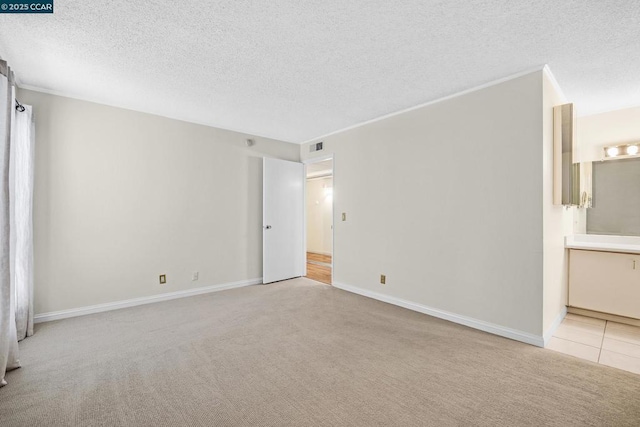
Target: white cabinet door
[(605, 281), (283, 220)]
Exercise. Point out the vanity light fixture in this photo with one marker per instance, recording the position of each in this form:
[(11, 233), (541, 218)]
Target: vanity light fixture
[(612, 151), (622, 151)]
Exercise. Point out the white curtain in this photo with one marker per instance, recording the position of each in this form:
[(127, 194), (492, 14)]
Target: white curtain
[(21, 201), (16, 242), (8, 334)]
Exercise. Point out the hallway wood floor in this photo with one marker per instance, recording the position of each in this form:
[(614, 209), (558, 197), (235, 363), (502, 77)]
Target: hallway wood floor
[(319, 267)]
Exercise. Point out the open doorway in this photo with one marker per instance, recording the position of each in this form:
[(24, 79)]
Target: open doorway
[(319, 207)]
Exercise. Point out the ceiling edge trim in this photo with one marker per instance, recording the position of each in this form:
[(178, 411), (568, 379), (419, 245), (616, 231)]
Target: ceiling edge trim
[(319, 175), (435, 101), (554, 82), (77, 98)]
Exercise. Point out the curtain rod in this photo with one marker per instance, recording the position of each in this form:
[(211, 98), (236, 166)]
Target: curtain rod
[(19, 106)]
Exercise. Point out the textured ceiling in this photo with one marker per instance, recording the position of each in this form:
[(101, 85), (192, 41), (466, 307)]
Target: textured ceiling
[(295, 70)]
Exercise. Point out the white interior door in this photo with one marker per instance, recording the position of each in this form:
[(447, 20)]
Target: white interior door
[(283, 220)]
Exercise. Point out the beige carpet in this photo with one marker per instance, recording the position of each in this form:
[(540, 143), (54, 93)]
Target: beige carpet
[(299, 353)]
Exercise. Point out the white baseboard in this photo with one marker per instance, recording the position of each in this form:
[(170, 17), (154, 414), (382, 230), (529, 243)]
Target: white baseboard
[(81, 311), (552, 329), (452, 317)]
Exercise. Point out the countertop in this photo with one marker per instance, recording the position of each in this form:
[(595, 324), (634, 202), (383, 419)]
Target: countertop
[(604, 243)]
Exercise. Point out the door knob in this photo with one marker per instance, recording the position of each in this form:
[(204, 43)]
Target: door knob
[(268, 227)]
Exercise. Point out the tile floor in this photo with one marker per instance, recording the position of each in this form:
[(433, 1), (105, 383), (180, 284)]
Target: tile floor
[(602, 341)]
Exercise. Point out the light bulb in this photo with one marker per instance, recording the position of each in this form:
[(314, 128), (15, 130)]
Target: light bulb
[(632, 150), (612, 151)]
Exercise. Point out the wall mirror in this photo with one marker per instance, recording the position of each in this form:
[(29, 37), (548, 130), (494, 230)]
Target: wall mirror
[(616, 198)]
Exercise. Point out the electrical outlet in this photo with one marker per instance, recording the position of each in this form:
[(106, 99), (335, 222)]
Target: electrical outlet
[(163, 279), (383, 279), (194, 277)]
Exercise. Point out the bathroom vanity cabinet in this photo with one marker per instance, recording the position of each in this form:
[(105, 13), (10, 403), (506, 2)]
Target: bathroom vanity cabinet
[(607, 282)]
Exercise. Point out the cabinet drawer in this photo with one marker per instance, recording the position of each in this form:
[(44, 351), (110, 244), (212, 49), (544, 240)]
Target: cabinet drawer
[(605, 281)]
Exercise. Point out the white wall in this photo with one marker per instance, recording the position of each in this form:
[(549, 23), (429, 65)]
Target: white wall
[(558, 221), (611, 128), (319, 215), (122, 197), (447, 201)]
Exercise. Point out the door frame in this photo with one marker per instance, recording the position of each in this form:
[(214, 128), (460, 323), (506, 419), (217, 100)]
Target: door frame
[(318, 159)]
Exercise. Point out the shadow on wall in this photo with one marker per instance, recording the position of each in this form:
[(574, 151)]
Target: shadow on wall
[(256, 151), (254, 204)]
